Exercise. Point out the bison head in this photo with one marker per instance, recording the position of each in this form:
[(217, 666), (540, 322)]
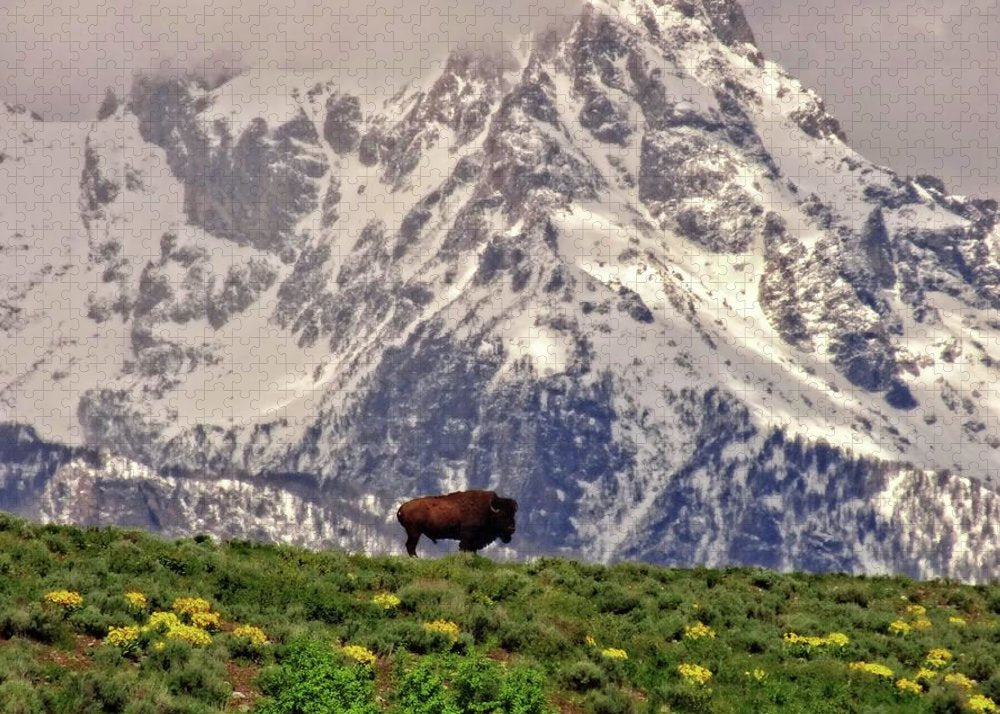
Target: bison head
[(502, 511)]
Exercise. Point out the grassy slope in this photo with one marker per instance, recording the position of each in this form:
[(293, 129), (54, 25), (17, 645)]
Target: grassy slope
[(522, 628)]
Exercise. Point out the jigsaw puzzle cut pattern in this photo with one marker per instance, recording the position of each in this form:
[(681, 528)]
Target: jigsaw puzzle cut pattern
[(268, 271)]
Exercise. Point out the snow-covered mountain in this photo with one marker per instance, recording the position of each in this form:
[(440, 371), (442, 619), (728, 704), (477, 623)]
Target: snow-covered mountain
[(633, 276)]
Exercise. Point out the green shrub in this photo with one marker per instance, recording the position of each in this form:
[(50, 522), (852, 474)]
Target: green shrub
[(156, 701), (991, 687), (433, 599), (18, 696), (90, 620), (513, 635), (33, 557), (612, 700), (669, 600), (58, 542), (616, 600), (946, 701), (546, 642), (979, 662), (416, 638), (14, 525), (581, 676), (713, 578), (310, 679), (481, 622), (201, 676), (476, 685), (172, 654), (242, 648), (565, 579), (753, 640), (175, 565), (686, 698), (327, 605), (106, 690), (126, 557), (501, 585), (851, 595), (522, 692), (36, 622), (540, 613), (962, 600), (992, 602), (764, 579), (420, 690)]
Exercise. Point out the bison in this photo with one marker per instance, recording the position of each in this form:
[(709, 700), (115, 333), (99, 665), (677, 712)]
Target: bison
[(473, 518)]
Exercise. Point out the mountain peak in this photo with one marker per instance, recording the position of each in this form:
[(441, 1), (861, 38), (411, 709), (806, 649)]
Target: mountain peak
[(725, 18), (637, 279)]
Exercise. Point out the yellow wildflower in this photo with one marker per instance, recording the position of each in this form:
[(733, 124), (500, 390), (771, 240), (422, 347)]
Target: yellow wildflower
[(162, 621), (925, 675), (791, 638), (66, 599), (957, 621), (360, 654), (190, 634), (917, 610), (159, 645), (190, 605), (206, 620), (879, 670), (591, 641), (959, 680), (122, 636), (908, 685), (136, 600), (699, 630), (938, 657), (614, 653), (758, 674), (254, 634), (838, 639), (899, 627), (386, 601), (444, 626), (694, 673), (981, 704), (921, 623)]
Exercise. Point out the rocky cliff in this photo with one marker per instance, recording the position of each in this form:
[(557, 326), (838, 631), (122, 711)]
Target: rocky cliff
[(634, 277)]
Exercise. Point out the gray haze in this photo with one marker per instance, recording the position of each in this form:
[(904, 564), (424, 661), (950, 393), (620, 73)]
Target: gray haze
[(913, 84), (60, 59)]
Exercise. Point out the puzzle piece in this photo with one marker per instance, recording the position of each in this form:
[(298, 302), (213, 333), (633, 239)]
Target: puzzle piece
[(618, 260)]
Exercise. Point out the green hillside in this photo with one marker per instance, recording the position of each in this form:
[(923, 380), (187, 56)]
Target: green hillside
[(112, 620)]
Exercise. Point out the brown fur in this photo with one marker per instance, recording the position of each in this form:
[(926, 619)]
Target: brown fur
[(473, 518)]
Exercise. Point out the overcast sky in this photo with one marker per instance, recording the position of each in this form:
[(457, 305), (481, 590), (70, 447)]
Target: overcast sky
[(914, 84)]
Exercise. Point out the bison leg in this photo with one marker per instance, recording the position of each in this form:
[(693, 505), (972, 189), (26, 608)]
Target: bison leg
[(411, 542), (473, 542)]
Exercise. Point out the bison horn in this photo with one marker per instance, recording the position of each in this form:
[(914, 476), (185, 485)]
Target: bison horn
[(494, 508)]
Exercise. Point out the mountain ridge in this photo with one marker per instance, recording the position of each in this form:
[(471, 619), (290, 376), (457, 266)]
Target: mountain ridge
[(636, 277)]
